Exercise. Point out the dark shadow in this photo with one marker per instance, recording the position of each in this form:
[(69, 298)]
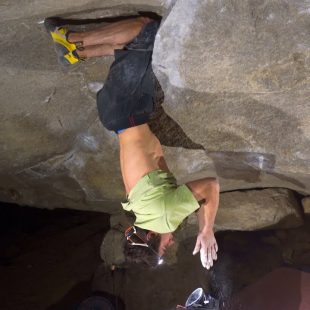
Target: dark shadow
[(244, 258), (123, 11), (80, 293), (280, 289), (168, 131), (74, 297), (77, 22), (252, 271), (18, 222)]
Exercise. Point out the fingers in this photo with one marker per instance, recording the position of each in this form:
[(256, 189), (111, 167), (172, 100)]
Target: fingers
[(204, 260), (213, 253), (208, 248), (208, 256), (197, 247), (216, 247)]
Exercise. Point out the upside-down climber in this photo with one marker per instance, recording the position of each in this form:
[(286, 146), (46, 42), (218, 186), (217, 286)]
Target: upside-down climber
[(125, 104)]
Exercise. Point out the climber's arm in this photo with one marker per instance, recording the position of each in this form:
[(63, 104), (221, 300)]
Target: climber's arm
[(208, 190)]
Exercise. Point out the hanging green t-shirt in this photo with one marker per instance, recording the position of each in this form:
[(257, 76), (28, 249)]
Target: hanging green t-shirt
[(159, 204)]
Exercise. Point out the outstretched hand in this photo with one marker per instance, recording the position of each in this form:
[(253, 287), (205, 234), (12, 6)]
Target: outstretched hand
[(208, 248)]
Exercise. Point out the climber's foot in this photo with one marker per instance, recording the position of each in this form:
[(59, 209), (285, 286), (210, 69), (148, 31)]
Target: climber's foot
[(66, 50)]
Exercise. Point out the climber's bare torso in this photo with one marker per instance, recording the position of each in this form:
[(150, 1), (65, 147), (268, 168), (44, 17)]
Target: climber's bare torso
[(140, 153)]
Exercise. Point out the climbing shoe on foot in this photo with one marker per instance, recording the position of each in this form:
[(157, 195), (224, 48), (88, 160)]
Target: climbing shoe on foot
[(66, 50)]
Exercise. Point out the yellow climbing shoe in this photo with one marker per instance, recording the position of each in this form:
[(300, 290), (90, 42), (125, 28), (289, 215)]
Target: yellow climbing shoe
[(66, 51)]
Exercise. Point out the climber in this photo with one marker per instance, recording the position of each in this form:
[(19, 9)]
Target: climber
[(125, 104)]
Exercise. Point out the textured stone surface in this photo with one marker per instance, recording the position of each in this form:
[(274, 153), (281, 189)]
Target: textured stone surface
[(111, 250), (306, 205), (228, 89), (54, 152), (257, 209), (252, 209), (236, 79), (81, 8)]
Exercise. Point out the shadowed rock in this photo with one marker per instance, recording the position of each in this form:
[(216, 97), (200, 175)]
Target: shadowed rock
[(306, 205)]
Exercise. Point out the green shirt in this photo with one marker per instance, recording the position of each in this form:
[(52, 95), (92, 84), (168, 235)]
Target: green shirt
[(159, 204)]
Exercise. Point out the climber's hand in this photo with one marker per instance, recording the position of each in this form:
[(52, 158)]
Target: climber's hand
[(208, 248)]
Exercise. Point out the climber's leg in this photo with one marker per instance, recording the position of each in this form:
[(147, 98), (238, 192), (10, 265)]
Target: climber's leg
[(118, 33)]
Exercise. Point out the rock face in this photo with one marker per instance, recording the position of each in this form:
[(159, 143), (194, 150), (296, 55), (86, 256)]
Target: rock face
[(236, 79), (54, 150), (306, 205), (251, 210), (111, 250), (257, 209)]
